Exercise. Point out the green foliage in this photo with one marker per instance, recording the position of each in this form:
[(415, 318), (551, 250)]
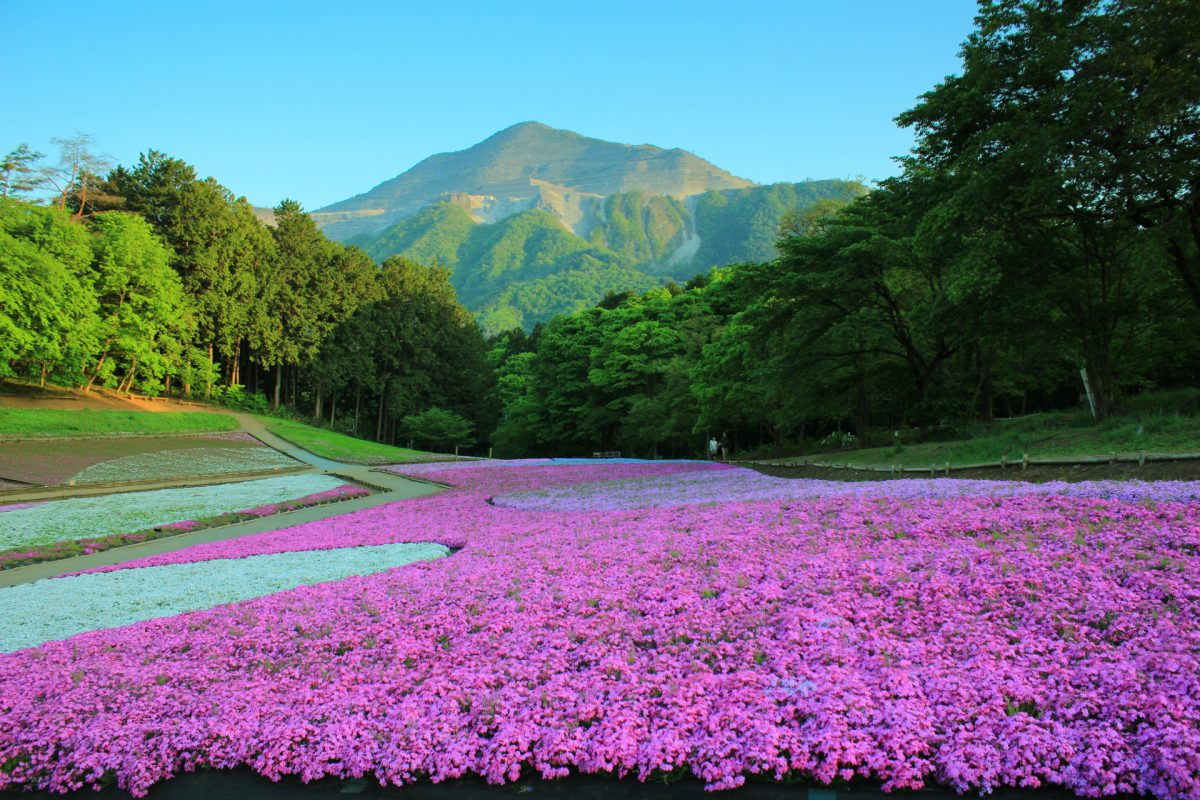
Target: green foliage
[(237, 398), (439, 429), (739, 225), (18, 171), (141, 302), (48, 304)]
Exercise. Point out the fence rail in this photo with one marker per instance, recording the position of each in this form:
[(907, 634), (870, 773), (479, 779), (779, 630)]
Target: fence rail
[(1140, 458)]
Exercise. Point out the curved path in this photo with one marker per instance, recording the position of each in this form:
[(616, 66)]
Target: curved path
[(394, 487)]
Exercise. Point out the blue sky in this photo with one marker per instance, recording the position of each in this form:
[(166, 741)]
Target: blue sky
[(322, 101)]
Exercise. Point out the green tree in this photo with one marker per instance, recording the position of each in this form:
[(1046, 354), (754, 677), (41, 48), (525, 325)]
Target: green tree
[(19, 174), (302, 298), (141, 303), (48, 308), (439, 429)]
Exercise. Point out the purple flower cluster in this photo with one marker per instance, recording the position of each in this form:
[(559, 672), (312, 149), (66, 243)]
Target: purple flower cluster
[(19, 506), (744, 485), (969, 641)]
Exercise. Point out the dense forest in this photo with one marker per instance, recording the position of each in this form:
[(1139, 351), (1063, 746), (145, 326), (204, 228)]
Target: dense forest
[(1045, 227), (153, 280), (1047, 222)]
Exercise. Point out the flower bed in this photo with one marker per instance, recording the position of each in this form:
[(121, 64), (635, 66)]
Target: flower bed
[(36, 532), (688, 488), (970, 641), (47, 610)]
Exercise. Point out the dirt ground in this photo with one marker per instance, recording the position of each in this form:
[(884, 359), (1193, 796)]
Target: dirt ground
[(24, 395), (53, 461), (1154, 471)]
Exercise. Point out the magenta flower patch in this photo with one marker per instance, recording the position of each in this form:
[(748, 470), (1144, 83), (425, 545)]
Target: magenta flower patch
[(972, 641)]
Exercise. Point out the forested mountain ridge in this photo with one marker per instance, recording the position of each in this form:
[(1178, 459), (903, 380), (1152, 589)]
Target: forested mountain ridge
[(528, 165), (527, 267)]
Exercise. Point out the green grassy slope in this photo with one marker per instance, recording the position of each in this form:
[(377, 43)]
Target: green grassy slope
[(339, 447), (21, 422), (1145, 426)]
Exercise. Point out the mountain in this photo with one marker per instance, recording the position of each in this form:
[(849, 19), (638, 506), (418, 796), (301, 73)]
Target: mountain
[(526, 166), (535, 221), (527, 267)]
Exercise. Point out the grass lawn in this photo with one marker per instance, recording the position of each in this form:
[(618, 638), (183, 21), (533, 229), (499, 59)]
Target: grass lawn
[(22, 422), (337, 446), (1064, 434)]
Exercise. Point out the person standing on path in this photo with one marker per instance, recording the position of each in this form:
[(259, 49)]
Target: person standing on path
[(724, 447), (712, 448)]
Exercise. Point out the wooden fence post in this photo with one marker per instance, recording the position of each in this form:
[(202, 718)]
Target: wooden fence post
[(1003, 462), (1025, 461)]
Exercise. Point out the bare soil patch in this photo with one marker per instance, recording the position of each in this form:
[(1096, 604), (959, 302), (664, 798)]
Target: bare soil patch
[(50, 462), (15, 394)]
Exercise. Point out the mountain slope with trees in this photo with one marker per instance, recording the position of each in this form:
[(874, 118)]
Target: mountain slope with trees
[(527, 267)]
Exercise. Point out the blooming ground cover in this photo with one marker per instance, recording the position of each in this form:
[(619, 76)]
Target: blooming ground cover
[(55, 609), (32, 532), (686, 488), (976, 641)]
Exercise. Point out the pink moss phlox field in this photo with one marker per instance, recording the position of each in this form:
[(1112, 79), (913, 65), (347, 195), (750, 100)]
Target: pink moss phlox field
[(976, 642), (416, 520), (686, 488)]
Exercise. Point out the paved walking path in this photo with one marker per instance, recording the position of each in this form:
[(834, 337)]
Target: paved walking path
[(395, 487)]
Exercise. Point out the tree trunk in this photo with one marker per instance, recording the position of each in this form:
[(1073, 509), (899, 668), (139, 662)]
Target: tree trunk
[(278, 385), (127, 383), (318, 406), (862, 415), (379, 422), (96, 374), (235, 370), (209, 379), (42, 382), (333, 409), (357, 405)]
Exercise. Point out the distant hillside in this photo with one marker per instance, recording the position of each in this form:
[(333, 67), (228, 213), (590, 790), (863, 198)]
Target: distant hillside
[(529, 266), (527, 166)]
